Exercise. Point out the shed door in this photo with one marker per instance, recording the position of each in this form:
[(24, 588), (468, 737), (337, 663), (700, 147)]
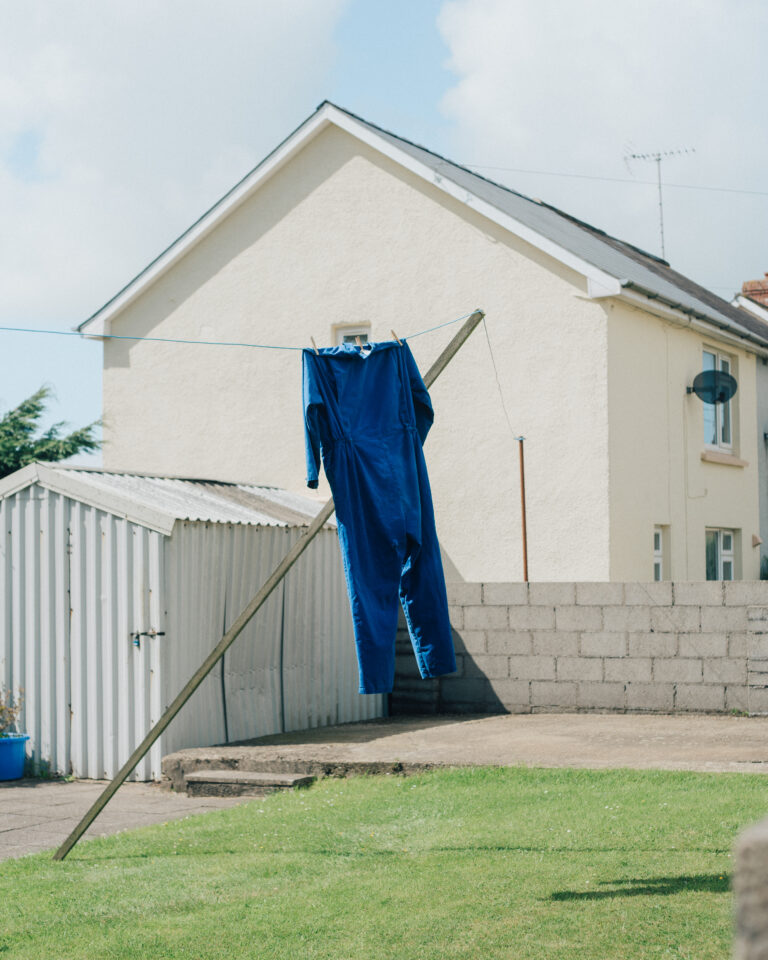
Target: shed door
[(115, 602)]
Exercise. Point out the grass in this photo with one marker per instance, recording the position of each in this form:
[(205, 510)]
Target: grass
[(474, 863)]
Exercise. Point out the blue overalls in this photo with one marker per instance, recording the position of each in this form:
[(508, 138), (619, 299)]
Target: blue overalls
[(368, 411)]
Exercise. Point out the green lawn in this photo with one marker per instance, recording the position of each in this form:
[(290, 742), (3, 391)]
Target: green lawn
[(476, 863)]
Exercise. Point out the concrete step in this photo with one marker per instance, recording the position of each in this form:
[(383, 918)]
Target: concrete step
[(241, 783), (234, 758)]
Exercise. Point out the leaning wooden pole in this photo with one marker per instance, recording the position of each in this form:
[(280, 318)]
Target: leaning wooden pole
[(522, 509), (237, 627)]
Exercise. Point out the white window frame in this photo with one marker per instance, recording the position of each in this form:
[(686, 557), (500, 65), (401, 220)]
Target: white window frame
[(722, 411), (658, 553), (724, 556), (346, 332)]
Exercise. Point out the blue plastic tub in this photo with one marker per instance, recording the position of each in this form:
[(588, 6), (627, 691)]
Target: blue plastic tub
[(12, 754)]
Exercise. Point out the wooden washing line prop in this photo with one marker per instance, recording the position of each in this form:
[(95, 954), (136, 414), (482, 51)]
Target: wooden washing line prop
[(234, 631), (522, 508)]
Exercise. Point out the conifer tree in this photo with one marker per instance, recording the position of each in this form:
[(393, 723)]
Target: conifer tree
[(19, 445)]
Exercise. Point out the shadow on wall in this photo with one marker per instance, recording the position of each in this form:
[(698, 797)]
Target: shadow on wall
[(450, 570), (468, 690)]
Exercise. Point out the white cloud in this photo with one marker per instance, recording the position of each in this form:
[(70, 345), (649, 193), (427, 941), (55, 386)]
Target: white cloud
[(121, 122), (573, 86)]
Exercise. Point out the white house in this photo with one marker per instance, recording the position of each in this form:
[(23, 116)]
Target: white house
[(347, 229)]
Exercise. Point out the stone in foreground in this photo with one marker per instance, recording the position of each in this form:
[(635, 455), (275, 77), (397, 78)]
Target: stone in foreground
[(750, 888)]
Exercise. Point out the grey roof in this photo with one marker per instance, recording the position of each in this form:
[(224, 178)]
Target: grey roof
[(633, 267), (167, 499)]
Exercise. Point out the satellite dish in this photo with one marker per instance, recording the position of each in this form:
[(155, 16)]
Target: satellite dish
[(714, 386)]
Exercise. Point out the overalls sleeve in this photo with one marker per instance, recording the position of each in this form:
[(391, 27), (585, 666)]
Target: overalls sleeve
[(422, 405), (312, 403)]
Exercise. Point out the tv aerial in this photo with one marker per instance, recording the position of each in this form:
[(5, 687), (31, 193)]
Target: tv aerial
[(657, 157)]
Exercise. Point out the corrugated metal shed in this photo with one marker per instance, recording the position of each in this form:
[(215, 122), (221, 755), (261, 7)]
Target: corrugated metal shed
[(115, 587)]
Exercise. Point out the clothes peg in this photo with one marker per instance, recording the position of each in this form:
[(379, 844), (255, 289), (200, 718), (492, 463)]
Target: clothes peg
[(396, 337), (358, 341), (315, 346)]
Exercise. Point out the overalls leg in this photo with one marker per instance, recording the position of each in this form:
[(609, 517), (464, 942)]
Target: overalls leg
[(372, 566), (422, 589)]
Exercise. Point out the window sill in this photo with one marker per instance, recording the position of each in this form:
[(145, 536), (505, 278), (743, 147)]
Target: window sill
[(714, 456)]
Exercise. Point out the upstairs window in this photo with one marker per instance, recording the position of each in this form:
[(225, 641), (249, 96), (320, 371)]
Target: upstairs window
[(717, 417), (349, 332)]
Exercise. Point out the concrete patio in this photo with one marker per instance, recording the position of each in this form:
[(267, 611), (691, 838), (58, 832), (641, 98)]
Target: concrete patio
[(38, 815)]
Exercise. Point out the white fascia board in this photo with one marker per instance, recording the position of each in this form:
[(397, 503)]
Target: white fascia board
[(602, 284), (597, 289), (603, 281), (751, 307), (707, 328), (98, 326), (99, 323), (64, 483)]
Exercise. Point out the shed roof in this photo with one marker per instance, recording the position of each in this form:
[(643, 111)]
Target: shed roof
[(158, 502)]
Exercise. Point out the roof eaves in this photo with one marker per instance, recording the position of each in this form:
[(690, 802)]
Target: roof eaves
[(727, 327)]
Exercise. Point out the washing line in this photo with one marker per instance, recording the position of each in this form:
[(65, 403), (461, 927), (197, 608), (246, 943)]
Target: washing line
[(515, 435), (205, 343), (520, 440)]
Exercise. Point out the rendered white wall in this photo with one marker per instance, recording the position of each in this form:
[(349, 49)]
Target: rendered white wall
[(656, 443), (344, 235)]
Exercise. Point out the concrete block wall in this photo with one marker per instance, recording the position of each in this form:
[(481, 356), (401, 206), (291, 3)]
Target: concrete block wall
[(571, 647)]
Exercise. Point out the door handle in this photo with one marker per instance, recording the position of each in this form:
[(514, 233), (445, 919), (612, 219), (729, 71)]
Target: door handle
[(138, 634)]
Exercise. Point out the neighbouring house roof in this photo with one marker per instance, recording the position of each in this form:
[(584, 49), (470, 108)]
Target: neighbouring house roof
[(752, 306), (158, 502), (612, 266)]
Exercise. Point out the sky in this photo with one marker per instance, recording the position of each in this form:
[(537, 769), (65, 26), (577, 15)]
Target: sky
[(121, 123)]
